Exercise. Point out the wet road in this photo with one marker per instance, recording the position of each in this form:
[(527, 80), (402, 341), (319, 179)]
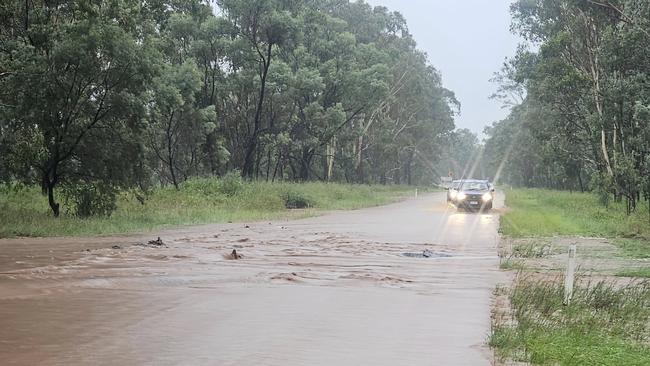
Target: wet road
[(330, 290)]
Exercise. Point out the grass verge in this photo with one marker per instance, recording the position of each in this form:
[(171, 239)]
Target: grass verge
[(24, 211), (604, 325), (608, 321), (539, 212), (643, 272), (543, 213)]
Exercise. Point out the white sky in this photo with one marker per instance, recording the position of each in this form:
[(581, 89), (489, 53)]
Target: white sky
[(467, 41)]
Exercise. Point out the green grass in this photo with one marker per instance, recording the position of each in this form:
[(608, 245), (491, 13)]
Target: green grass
[(643, 272), (538, 212), (634, 248), (509, 264), (24, 212), (604, 325)]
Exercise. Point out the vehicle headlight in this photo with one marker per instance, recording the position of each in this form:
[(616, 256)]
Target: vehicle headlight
[(487, 197), (453, 194), (461, 196)]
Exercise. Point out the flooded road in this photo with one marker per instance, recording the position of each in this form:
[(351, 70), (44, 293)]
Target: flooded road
[(339, 289)]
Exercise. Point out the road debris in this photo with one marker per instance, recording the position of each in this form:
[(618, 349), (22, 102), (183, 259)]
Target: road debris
[(233, 256), (158, 243), (427, 254)]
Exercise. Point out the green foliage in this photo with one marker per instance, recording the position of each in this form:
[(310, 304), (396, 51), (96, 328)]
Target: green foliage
[(73, 82), (602, 185), (135, 94), (90, 199), (231, 184), (584, 75), (294, 200)]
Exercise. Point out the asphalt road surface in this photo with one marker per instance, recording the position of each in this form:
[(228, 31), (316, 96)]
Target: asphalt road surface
[(347, 288)]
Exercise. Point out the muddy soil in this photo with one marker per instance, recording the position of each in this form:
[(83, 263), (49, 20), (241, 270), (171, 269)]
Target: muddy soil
[(335, 289)]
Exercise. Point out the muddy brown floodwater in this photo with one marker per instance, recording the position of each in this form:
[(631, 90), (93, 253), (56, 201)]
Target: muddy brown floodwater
[(331, 290)]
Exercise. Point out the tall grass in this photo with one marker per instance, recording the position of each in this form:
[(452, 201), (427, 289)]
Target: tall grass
[(24, 212), (604, 325)]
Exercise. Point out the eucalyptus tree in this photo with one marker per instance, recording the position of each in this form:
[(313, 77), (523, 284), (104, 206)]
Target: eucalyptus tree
[(586, 92), (104, 95), (180, 118), (178, 128), (259, 26), (71, 71)]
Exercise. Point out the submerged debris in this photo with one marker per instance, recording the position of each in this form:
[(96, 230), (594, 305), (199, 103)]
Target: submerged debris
[(427, 254), (158, 243), (233, 256), (116, 247)]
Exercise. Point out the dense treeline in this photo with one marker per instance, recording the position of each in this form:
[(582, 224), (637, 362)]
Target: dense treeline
[(581, 99), (98, 96)]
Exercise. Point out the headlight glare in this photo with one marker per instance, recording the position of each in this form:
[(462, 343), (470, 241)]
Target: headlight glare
[(487, 197), (461, 196)]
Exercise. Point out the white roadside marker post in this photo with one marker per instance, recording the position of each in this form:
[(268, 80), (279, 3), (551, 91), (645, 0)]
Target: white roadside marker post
[(416, 192), (570, 275)]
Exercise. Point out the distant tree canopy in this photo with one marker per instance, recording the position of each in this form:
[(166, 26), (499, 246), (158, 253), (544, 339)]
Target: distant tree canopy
[(581, 115), (115, 94)]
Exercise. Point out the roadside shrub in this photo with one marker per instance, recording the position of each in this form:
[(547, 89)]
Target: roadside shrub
[(602, 185), (231, 183), (90, 199), (295, 200)]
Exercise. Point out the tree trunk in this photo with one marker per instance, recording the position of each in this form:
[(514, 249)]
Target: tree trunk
[(331, 148), (170, 150), (50, 179), (599, 109), (359, 160), (247, 170), (582, 188), (305, 164), (268, 164), (258, 160), (50, 198), (409, 169), (277, 165)]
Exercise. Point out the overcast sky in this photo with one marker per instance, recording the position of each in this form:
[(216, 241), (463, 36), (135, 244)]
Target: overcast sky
[(467, 41)]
